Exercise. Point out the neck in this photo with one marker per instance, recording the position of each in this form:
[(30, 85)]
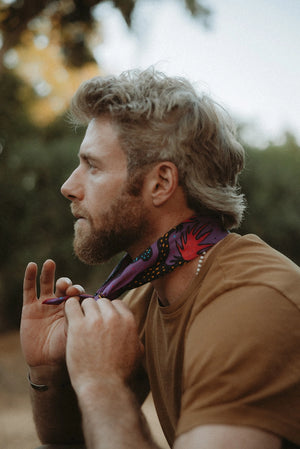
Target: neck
[(157, 228), (171, 287), (185, 243)]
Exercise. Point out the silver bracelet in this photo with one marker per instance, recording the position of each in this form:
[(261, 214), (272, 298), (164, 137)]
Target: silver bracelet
[(37, 387)]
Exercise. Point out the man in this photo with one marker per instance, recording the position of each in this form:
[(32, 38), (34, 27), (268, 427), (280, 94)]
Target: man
[(210, 323)]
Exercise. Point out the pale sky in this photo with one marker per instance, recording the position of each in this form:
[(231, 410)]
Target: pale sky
[(249, 59)]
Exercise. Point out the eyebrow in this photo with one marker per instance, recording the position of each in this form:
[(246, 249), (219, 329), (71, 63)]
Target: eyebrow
[(87, 156)]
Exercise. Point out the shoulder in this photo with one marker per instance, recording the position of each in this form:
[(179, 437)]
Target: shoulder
[(220, 436), (247, 261), (252, 251), (242, 344), (243, 320), (248, 301)]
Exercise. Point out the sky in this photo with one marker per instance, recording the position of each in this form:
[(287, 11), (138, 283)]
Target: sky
[(248, 60)]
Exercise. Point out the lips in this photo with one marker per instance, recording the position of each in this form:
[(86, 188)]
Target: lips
[(78, 215)]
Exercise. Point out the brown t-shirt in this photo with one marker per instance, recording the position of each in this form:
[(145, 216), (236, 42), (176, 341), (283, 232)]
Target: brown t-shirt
[(228, 351)]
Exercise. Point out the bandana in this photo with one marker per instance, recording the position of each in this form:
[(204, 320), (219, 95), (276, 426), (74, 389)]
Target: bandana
[(180, 245)]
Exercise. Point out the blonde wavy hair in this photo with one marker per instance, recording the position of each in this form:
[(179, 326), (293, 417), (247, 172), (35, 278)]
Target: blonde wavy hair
[(163, 118)]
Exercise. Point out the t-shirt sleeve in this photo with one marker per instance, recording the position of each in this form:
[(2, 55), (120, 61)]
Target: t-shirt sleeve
[(242, 364)]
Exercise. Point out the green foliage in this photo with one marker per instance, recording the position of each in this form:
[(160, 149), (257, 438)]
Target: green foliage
[(35, 221), (15, 96), (272, 188), (71, 20)]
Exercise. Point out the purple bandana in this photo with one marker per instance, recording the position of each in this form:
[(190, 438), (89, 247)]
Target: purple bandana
[(178, 246)]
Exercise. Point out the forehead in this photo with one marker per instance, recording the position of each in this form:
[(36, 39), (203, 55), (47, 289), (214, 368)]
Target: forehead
[(101, 139)]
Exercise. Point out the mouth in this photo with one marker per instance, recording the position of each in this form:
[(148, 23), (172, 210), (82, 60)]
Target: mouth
[(77, 215), (79, 219)]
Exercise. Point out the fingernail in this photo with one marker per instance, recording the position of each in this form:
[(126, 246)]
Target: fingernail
[(79, 288), (68, 281)]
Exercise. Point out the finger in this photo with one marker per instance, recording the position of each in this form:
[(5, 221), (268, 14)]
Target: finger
[(125, 313), (62, 284), (89, 305), (122, 308), (73, 310), (47, 278), (75, 290), (64, 287), (106, 307), (29, 285), (142, 348)]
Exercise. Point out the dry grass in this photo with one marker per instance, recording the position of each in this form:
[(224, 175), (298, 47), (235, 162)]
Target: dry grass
[(16, 425)]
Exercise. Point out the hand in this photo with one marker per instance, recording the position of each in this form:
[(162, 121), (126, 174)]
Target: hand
[(43, 327), (102, 342)]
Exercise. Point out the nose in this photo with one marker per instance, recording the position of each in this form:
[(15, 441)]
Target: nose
[(72, 187)]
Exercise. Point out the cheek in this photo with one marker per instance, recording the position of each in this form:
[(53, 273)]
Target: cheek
[(101, 193), (106, 191), (98, 204)]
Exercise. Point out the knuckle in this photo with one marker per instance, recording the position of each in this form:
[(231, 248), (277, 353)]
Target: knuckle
[(130, 323), (86, 301)]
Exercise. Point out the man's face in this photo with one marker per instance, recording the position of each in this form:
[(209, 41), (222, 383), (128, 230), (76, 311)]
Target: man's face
[(108, 218)]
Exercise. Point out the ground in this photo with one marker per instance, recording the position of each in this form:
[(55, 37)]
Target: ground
[(16, 425)]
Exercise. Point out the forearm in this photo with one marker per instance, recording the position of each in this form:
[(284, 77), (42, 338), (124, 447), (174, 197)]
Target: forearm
[(55, 410), (114, 420)]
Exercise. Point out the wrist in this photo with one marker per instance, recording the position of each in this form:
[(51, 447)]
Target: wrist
[(50, 375), (91, 387)]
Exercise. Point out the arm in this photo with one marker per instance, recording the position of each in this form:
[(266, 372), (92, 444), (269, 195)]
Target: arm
[(43, 339), (103, 354), (103, 351), (227, 437)]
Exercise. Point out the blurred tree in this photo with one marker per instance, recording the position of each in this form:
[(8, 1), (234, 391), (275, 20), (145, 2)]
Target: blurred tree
[(50, 44), (15, 98), (272, 188), (69, 22), (35, 220), (53, 83)]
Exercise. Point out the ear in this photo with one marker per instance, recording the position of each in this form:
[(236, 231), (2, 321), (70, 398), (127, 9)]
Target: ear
[(163, 182)]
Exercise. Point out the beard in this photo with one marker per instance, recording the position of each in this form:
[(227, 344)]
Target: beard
[(122, 226)]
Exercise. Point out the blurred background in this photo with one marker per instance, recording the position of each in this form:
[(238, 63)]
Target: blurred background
[(244, 54)]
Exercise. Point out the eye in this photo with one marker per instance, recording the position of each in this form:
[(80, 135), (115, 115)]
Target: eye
[(90, 164)]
